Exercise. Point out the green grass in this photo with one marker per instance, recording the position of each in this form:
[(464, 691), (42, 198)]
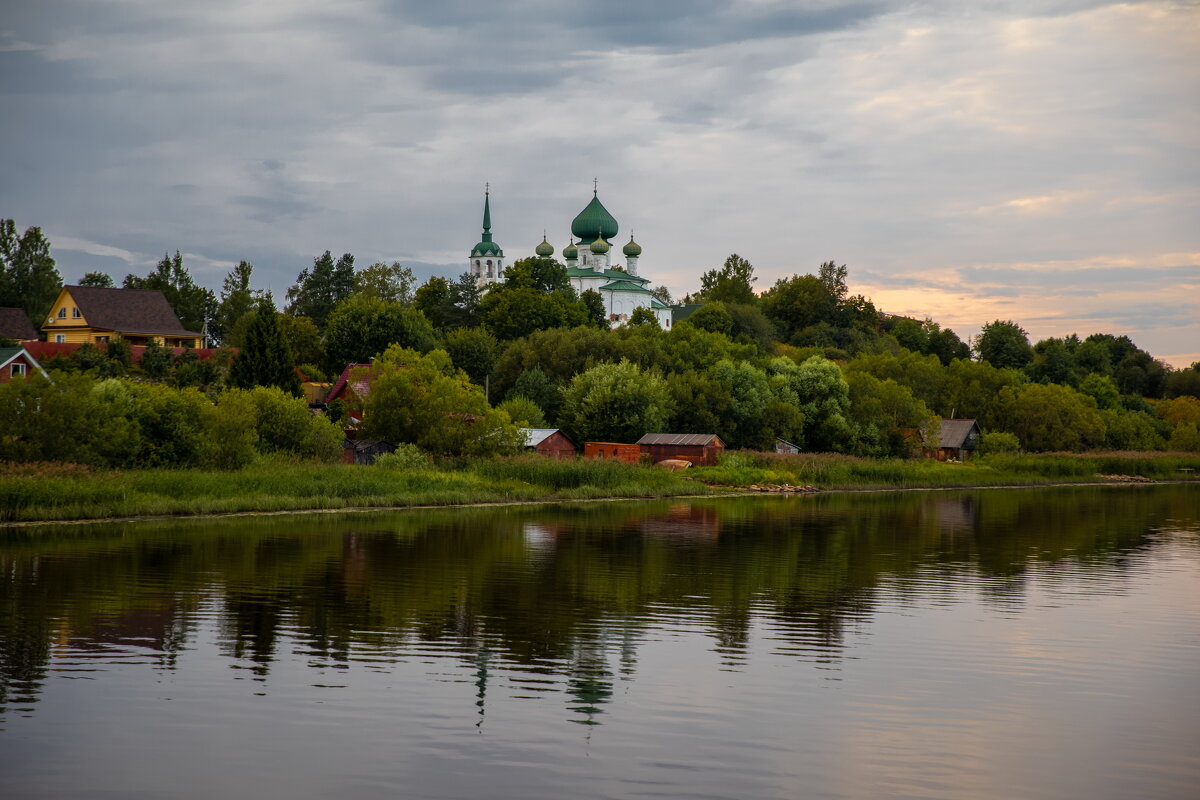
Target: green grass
[(65, 491), (832, 471)]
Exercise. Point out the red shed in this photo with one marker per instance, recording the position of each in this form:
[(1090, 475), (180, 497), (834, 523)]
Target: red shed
[(622, 452), (549, 442), (701, 449)]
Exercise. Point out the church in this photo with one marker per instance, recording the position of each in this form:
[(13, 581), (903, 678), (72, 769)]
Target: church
[(588, 258)]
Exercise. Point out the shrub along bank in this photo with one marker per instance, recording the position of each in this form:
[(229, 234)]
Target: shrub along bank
[(31, 492)]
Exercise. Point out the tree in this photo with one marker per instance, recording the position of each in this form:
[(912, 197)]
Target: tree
[(435, 300), (1004, 344), (593, 306), (537, 387), (466, 296), (473, 350), (799, 302), (193, 304), (614, 403), (1051, 417), (712, 317), (264, 359), (424, 400), (237, 297), (643, 316), (362, 327), (512, 312), (303, 339), (317, 291), (1183, 382), (663, 294), (98, 279), (822, 396), (729, 284), (391, 282), (523, 411), (750, 395), (28, 276), (542, 274), (1052, 362), (886, 412)]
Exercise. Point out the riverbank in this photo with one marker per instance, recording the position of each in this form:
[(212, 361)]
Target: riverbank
[(60, 492)]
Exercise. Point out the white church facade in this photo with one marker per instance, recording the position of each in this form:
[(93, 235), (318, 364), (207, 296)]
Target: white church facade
[(588, 261)]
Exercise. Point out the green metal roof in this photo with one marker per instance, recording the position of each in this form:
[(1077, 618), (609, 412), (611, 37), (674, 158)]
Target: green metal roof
[(592, 220), (655, 303), (625, 286)]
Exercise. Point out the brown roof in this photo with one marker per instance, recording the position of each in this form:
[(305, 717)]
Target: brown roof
[(127, 310), (691, 439), (955, 431), (15, 324)]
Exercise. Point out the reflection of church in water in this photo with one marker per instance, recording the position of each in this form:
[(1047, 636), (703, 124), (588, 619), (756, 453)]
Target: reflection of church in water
[(588, 258)]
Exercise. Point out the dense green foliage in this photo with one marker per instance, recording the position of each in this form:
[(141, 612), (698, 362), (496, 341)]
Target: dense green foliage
[(804, 361), (28, 277)]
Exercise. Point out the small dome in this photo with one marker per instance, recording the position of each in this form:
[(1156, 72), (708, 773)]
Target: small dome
[(599, 246), (545, 249), (633, 249), (571, 252)]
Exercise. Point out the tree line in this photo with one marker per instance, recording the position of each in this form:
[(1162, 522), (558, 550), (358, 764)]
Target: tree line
[(804, 361)]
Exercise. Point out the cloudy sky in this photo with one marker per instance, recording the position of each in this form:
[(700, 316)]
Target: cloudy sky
[(1036, 160)]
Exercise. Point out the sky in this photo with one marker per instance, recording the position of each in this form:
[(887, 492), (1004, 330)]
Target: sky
[(1033, 160)]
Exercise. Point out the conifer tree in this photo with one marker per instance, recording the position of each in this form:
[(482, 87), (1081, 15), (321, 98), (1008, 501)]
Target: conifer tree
[(265, 359)]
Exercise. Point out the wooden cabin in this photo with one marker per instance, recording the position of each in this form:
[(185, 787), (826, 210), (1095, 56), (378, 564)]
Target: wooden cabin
[(700, 449), (96, 315), (16, 362), (957, 441), (630, 453), (549, 442)]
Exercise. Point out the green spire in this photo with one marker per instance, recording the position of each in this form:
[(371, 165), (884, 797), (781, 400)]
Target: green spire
[(486, 246)]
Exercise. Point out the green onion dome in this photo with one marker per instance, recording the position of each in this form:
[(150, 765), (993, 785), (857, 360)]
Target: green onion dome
[(633, 249), (545, 249), (571, 252), (593, 218), (599, 246), (487, 248)]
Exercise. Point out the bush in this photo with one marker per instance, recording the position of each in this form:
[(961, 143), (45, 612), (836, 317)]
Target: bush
[(406, 457), (998, 442), (523, 411)]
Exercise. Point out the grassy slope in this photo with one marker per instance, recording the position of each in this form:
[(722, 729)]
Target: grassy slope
[(61, 492)]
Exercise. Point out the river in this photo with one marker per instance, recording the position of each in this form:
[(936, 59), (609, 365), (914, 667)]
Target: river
[(1039, 643)]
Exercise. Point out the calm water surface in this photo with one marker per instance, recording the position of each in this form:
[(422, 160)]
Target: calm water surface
[(991, 644)]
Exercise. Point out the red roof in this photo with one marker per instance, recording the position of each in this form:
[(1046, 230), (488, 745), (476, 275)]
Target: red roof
[(43, 350)]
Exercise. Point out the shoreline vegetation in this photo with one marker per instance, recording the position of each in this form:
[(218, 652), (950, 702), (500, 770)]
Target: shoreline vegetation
[(55, 492)]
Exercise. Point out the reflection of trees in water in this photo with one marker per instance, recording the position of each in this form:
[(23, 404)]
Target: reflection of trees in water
[(572, 590)]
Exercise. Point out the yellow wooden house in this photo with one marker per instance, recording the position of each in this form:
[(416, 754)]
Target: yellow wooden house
[(94, 315)]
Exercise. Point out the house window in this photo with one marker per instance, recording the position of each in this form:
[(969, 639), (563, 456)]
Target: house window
[(17, 370), (101, 340), (75, 313), (60, 338), (62, 313)]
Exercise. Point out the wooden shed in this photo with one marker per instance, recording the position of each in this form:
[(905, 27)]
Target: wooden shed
[(364, 451), (622, 452), (549, 442), (701, 449), (957, 441)]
